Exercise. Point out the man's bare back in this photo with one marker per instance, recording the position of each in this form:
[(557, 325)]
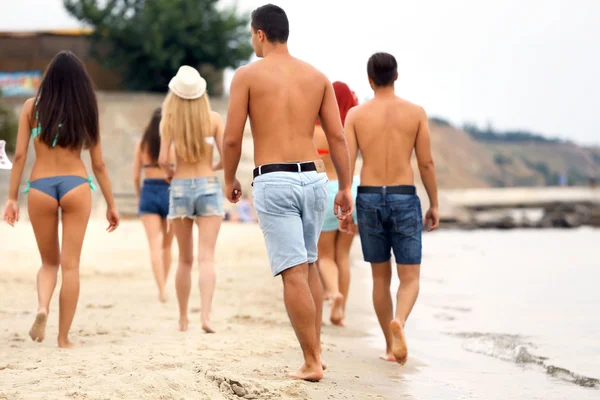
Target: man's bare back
[(387, 129), (285, 98)]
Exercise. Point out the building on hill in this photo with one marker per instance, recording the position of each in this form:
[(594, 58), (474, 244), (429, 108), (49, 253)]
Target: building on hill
[(25, 55)]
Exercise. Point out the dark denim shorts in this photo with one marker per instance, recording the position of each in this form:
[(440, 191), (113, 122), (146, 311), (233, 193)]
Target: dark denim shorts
[(154, 198), (388, 222)]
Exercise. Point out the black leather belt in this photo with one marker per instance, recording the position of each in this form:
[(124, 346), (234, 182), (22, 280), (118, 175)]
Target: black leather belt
[(400, 189), (284, 167)]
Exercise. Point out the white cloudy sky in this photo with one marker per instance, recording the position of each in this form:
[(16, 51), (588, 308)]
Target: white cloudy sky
[(530, 64)]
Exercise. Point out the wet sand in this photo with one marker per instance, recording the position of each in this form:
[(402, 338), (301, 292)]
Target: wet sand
[(132, 348)]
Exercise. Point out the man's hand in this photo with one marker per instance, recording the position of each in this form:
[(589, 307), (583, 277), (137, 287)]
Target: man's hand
[(233, 191), (432, 219), (343, 205)]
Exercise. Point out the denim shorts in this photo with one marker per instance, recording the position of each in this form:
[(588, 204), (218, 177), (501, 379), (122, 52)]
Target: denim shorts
[(331, 223), (154, 198), (390, 222), (196, 197), (290, 207)]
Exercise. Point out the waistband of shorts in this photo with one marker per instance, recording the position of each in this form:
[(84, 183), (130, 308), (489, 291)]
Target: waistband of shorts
[(398, 189), (156, 181), (201, 180)]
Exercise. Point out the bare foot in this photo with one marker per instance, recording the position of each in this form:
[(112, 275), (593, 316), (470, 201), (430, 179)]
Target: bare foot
[(207, 328), (337, 310), (314, 374), (323, 365), (183, 324), (388, 357), (67, 344), (162, 297), (399, 348), (328, 296), (38, 329)]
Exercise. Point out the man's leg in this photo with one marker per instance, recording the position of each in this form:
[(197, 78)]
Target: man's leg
[(382, 301), (302, 310), (407, 246), (408, 291), (316, 289)]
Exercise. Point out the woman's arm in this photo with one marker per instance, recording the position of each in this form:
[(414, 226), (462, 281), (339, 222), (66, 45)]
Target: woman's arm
[(101, 174), (20, 157), (218, 139), (164, 158), (137, 168)]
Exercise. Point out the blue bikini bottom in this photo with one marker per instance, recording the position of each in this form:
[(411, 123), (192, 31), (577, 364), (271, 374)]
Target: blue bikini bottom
[(58, 186)]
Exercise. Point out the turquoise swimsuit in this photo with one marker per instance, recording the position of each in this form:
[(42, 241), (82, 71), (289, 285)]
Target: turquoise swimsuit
[(55, 186)]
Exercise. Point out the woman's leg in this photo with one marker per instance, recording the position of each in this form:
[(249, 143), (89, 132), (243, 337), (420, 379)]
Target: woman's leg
[(153, 226), (208, 230), (326, 263), (183, 279), (329, 274), (43, 214), (76, 207), (343, 243), (167, 242)]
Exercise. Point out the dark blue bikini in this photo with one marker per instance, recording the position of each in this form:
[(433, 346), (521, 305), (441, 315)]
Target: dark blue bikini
[(55, 186)]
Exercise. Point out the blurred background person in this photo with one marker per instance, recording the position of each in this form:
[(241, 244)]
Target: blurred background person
[(153, 201), (334, 245)]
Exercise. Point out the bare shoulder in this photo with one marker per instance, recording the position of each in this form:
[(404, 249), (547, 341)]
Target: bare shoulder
[(413, 108), (241, 74), (28, 105), (309, 69), (360, 110), (215, 116)]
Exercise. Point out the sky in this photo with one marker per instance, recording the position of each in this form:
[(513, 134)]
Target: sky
[(514, 64)]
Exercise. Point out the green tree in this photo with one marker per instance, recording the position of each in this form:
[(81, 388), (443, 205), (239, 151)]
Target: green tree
[(148, 40)]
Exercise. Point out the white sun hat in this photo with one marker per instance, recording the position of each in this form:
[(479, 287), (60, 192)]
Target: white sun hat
[(188, 84)]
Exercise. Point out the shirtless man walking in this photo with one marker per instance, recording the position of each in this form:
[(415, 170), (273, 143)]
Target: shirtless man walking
[(386, 129), (283, 97)]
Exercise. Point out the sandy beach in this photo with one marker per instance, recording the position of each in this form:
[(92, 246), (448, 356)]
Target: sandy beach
[(132, 348)]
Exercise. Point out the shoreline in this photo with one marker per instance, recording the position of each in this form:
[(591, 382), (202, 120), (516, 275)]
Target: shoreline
[(131, 345)]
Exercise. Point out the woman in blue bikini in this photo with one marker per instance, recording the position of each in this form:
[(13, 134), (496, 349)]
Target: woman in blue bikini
[(153, 199), (62, 120)]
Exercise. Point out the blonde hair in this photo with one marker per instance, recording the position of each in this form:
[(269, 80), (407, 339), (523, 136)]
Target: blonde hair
[(187, 123)]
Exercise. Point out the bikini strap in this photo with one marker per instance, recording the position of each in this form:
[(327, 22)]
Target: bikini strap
[(39, 126), (27, 186), (91, 182)]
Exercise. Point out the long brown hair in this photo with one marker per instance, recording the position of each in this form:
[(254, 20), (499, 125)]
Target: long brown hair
[(151, 140), (66, 107)]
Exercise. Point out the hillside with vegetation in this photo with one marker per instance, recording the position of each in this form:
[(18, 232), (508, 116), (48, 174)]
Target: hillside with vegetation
[(475, 157)]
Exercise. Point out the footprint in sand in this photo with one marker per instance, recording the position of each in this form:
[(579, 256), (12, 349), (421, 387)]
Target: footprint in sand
[(100, 306), (235, 386), (16, 338)]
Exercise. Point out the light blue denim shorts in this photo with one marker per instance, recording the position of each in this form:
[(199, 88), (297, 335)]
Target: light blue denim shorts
[(195, 197), (290, 207)]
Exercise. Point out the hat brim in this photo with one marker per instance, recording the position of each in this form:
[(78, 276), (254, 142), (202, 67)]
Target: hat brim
[(198, 91)]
